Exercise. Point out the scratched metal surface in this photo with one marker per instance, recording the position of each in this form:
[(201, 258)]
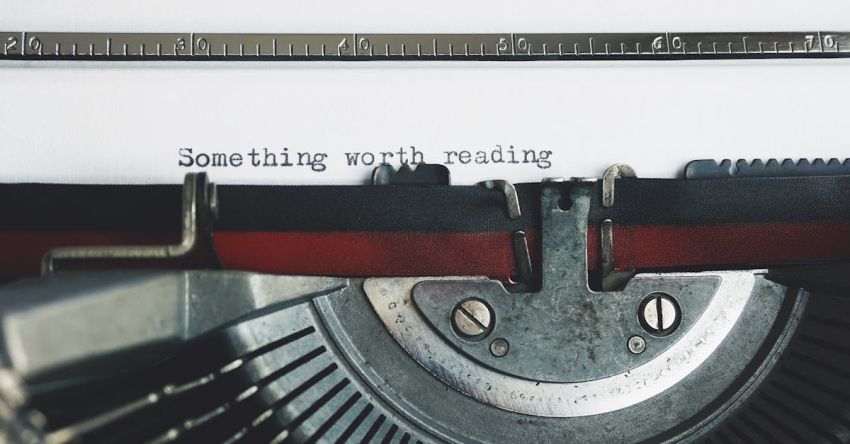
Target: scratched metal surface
[(508, 46)]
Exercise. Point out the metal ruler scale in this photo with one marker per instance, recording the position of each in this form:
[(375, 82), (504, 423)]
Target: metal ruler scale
[(514, 46)]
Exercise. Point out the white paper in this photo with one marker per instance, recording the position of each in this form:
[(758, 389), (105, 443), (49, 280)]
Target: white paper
[(109, 122)]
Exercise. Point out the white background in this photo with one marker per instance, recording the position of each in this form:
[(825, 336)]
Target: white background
[(119, 122)]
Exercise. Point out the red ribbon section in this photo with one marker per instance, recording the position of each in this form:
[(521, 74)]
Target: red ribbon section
[(369, 253), (488, 254), (713, 246)]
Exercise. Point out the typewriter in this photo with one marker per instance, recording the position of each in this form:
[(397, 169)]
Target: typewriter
[(710, 308)]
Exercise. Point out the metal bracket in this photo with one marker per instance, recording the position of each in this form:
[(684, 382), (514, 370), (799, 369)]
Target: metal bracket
[(424, 174), (511, 196), (523, 258), (610, 176), (612, 279), (199, 207)]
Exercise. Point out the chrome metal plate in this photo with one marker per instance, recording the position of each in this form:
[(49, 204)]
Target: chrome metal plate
[(355, 46), (391, 299)]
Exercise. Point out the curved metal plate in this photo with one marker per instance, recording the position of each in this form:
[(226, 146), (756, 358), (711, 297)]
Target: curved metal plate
[(391, 299), (569, 335)]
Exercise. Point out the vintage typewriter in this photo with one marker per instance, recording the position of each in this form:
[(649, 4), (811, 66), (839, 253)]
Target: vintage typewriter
[(710, 308)]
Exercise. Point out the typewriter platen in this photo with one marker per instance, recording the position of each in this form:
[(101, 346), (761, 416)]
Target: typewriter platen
[(620, 309)]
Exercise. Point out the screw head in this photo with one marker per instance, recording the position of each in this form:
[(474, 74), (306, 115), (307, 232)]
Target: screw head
[(637, 344), (472, 319), (499, 347), (660, 314)]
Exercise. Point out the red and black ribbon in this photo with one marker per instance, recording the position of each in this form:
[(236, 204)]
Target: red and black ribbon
[(432, 230)]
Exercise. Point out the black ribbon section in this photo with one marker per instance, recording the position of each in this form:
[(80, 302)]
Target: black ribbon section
[(397, 208), (39, 207), (390, 208), (727, 201)]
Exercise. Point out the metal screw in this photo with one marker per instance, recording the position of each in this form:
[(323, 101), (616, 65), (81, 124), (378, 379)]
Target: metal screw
[(637, 344), (499, 347), (472, 319), (660, 314)]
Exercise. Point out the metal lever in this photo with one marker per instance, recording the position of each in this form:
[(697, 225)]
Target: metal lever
[(612, 279), (610, 176), (199, 207), (511, 196)]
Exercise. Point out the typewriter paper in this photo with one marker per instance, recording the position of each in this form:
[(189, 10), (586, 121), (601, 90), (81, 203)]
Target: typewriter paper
[(323, 122)]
